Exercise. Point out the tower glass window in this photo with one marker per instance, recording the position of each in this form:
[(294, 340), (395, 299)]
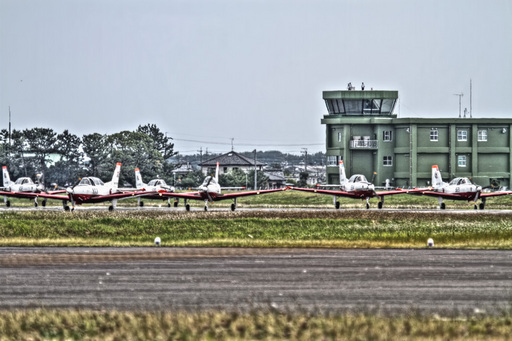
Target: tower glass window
[(434, 134), (462, 160), (462, 135), (482, 135), (387, 161), (387, 136)]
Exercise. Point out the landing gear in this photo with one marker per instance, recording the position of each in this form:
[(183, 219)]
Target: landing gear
[(44, 203), (187, 207), (482, 204), (176, 203), (367, 203), (35, 204), (233, 207), (476, 207), (379, 205), (169, 204), (337, 205), (443, 206), (8, 203), (111, 208), (141, 203), (66, 208)]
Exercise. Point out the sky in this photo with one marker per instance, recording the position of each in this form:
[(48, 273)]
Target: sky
[(212, 73)]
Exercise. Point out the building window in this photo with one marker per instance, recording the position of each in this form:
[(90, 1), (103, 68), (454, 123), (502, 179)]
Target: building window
[(461, 160), (332, 161), (388, 161), (462, 135), (434, 134), (482, 135), (387, 136), (339, 137)]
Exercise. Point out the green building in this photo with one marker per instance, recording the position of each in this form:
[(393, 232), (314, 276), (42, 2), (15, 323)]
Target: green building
[(362, 130)]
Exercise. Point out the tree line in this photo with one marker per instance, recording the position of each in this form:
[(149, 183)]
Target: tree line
[(65, 157)]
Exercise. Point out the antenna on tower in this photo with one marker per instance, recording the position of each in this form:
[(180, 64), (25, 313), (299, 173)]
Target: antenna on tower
[(460, 100), (470, 98)]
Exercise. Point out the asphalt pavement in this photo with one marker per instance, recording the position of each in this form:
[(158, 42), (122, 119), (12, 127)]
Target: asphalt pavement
[(162, 278)]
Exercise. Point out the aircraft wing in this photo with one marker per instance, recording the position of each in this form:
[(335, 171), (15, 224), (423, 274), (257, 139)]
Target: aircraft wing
[(493, 194), (119, 196), (393, 192), (30, 195), (225, 196), (329, 192), (247, 193)]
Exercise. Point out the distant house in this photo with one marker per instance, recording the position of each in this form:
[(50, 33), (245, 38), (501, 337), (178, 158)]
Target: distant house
[(229, 162), (276, 180), (182, 171)]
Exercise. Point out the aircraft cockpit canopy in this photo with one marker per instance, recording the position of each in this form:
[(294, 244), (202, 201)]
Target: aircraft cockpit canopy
[(357, 178), (157, 182), (91, 181), (24, 181), (460, 181), (209, 180)]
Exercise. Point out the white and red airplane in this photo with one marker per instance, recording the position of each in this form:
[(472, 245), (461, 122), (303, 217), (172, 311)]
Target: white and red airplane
[(155, 185), (210, 191), (457, 189), (93, 190), (25, 188), (357, 187)]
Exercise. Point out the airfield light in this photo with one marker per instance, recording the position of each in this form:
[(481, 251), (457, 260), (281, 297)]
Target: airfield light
[(430, 242)]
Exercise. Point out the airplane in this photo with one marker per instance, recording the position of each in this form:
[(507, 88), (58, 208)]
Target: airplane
[(24, 187), (356, 187), (155, 185), (457, 189), (93, 190), (210, 191)]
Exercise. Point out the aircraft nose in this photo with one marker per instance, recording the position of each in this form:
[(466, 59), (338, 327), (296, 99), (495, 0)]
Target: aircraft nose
[(478, 188), (371, 187)]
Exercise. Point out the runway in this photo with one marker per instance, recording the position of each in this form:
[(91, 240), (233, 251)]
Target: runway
[(159, 278)]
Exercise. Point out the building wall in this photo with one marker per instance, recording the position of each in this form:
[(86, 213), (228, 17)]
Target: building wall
[(458, 150)]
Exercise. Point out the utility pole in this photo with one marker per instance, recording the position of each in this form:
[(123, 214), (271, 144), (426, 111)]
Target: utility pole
[(460, 101), (255, 172), (305, 152), (232, 146), (201, 154)]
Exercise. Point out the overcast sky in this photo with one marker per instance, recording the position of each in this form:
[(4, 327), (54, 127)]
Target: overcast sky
[(254, 71)]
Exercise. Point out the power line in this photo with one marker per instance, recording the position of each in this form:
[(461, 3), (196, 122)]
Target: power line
[(253, 144)]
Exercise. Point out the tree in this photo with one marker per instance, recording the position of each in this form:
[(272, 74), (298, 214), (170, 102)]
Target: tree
[(192, 179), (41, 142), (303, 179), (235, 178), (96, 148), (262, 179)]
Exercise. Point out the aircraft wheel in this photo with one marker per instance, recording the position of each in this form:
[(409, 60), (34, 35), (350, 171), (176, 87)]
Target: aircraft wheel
[(175, 204), (35, 204), (187, 207), (482, 205), (206, 208), (379, 205), (367, 206), (141, 204), (111, 208), (168, 204), (476, 207), (337, 205), (233, 207), (44, 203), (443, 206), (66, 208), (8, 203)]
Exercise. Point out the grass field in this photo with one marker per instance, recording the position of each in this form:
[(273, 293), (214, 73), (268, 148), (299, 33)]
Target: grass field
[(258, 228), (259, 325)]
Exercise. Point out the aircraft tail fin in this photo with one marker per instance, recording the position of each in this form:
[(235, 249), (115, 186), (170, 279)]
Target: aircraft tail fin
[(138, 179), (343, 176), (217, 173), (436, 177), (115, 177), (7, 179)]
